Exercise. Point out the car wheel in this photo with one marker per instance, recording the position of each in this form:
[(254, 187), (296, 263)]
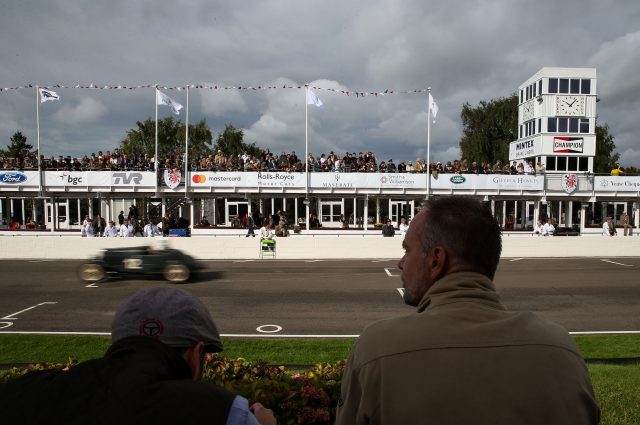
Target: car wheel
[(176, 273), (91, 273)]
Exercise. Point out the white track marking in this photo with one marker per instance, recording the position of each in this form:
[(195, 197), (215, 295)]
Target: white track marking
[(604, 333), (92, 285), (272, 329), (401, 291), (284, 336), (9, 317), (380, 261), (279, 335), (312, 261), (516, 259), (388, 271), (613, 262)]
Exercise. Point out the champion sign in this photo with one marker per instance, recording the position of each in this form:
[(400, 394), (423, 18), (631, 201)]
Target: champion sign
[(12, 177), (568, 144)]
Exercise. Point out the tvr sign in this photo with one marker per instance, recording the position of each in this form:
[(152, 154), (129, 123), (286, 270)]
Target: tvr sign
[(124, 178)]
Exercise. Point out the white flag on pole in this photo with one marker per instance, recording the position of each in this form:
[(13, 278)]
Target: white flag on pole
[(163, 99), (313, 99), (47, 95), (434, 107)]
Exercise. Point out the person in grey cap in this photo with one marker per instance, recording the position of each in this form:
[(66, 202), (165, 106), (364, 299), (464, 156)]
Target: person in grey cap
[(150, 374)]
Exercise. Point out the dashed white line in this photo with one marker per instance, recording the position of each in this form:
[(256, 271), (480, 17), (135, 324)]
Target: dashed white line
[(613, 262), (401, 291)]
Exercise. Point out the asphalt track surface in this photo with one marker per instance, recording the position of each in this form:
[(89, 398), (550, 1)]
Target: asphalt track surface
[(317, 298)]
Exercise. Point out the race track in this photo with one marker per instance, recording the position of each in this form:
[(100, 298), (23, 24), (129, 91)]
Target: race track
[(317, 298)]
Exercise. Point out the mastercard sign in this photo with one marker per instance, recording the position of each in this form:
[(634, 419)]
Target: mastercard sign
[(199, 178)]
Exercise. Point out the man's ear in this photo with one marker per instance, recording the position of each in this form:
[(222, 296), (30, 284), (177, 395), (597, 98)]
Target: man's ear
[(194, 356), (437, 262)]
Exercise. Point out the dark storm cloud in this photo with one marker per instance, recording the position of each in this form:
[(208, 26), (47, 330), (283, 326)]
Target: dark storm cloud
[(466, 51)]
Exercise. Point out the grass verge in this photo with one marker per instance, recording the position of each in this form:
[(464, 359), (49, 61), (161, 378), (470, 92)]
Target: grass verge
[(15, 348), (617, 387)]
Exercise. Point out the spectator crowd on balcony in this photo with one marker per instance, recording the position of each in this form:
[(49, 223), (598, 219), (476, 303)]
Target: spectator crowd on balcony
[(350, 162)]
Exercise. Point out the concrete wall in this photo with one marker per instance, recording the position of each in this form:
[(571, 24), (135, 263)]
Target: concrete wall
[(48, 246)]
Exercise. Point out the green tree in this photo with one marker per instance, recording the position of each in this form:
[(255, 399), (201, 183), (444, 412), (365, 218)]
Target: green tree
[(18, 146), (605, 158), (488, 129), (231, 142), (171, 136), (200, 139)]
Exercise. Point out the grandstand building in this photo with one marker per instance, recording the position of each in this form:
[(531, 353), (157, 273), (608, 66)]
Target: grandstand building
[(556, 128)]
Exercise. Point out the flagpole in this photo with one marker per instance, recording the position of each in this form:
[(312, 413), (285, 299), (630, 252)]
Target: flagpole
[(428, 142), (186, 149), (157, 164), (38, 137), (306, 154)]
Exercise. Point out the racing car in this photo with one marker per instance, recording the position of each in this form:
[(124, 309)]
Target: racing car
[(175, 266)]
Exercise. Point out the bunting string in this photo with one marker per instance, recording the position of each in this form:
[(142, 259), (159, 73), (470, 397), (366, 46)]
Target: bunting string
[(354, 93)]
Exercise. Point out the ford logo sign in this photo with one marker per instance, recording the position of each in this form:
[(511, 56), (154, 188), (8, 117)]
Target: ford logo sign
[(457, 179), (12, 177)]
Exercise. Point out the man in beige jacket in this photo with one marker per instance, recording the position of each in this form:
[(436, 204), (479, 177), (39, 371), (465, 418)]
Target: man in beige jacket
[(462, 358)]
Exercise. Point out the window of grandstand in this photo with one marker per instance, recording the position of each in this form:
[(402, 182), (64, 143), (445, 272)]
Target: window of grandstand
[(571, 163), (573, 85)]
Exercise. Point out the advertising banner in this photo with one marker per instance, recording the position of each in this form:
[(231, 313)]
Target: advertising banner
[(617, 183), (66, 178), (132, 178), (98, 178), (487, 182), (241, 179), (368, 180), (18, 178)]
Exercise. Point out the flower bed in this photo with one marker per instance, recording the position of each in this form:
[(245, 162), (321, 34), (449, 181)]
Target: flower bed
[(306, 397)]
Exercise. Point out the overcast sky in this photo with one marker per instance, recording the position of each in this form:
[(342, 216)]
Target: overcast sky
[(466, 51)]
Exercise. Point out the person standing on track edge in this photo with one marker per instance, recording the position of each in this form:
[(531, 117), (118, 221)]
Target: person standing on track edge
[(150, 374), (462, 358), (251, 225)]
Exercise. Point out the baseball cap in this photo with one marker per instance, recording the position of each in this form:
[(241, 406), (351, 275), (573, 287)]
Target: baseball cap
[(169, 315)]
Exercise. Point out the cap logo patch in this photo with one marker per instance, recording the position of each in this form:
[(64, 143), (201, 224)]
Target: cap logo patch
[(151, 327)]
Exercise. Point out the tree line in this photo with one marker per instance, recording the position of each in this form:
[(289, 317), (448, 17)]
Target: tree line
[(487, 130)]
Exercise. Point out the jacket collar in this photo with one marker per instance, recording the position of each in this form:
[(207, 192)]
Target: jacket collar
[(151, 357), (461, 287)]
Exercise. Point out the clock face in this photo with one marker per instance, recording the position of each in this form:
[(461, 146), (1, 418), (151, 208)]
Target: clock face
[(527, 111), (570, 106)]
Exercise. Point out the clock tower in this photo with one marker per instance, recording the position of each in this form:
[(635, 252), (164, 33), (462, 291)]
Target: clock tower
[(557, 120)]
